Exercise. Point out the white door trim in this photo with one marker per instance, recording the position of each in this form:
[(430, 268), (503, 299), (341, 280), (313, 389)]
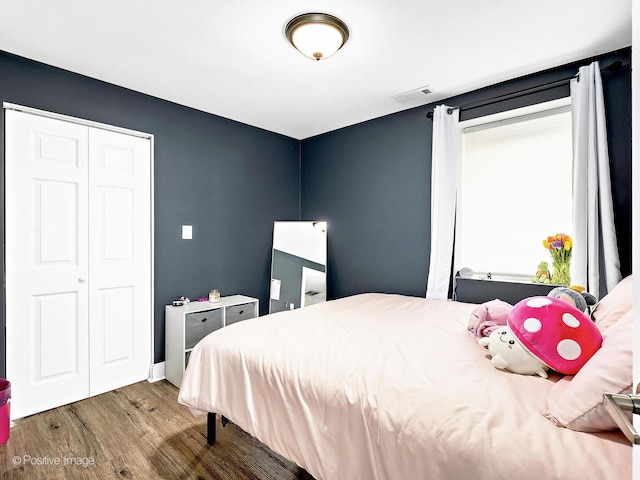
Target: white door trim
[(126, 131), (81, 121)]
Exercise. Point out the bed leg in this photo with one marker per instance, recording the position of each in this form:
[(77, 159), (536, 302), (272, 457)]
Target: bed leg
[(211, 428), (224, 420)]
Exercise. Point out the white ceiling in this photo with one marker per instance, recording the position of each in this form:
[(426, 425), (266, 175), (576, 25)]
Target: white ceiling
[(231, 58)]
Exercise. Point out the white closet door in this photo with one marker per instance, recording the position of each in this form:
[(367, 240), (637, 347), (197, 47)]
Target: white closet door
[(78, 261), (46, 262), (119, 259)]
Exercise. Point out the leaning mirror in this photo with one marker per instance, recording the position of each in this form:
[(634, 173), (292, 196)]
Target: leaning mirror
[(298, 265)]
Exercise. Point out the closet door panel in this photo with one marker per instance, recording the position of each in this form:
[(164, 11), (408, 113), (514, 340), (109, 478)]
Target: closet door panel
[(46, 214), (56, 223), (120, 259), (57, 351), (116, 317), (78, 260)]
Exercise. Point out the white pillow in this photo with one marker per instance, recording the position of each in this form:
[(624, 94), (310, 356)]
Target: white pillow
[(576, 402)]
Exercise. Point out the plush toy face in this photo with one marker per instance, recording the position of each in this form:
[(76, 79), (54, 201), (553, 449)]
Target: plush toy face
[(579, 299), (507, 353)]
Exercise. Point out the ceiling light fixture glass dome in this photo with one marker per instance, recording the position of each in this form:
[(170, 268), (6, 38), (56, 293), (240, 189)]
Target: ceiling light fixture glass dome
[(317, 35)]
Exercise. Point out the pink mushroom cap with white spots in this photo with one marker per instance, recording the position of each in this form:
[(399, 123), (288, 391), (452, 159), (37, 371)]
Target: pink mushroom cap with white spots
[(555, 332)]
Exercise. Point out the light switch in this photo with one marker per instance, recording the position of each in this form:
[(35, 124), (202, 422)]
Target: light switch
[(187, 232)]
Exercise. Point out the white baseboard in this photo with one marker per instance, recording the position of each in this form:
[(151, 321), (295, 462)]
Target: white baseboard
[(157, 372)]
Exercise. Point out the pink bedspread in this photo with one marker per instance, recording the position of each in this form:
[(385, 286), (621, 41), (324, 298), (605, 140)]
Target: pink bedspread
[(379, 386)]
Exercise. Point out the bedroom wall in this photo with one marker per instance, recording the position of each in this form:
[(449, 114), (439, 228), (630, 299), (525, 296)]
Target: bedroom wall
[(371, 182), (229, 180)]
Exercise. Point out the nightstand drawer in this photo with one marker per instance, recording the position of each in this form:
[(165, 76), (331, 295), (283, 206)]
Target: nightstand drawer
[(200, 324), (240, 312)]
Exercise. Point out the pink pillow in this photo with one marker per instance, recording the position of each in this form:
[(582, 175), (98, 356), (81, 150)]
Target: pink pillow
[(576, 402), (614, 304)]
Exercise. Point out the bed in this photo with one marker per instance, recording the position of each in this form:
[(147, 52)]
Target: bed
[(383, 386)]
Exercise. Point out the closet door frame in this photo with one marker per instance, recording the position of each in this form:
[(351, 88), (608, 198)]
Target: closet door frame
[(111, 128)]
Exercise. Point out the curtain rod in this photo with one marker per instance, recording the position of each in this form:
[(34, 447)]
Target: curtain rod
[(519, 93)]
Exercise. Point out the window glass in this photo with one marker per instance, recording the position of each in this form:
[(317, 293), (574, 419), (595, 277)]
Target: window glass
[(515, 188)]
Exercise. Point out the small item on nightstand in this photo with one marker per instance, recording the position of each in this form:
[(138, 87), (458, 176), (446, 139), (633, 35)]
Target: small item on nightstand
[(214, 295), (180, 301)]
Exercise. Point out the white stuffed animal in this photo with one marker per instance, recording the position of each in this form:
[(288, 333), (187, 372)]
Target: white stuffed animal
[(508, 353)]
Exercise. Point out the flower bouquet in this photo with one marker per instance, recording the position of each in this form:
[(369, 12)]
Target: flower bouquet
[(560, 246)]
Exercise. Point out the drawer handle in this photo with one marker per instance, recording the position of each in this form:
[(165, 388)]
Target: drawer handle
[(240, 312), (204, 319)]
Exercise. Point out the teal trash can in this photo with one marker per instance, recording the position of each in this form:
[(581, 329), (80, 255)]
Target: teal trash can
[(5, 410)]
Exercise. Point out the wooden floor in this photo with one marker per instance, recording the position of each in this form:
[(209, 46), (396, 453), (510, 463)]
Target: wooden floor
[(135, 432)]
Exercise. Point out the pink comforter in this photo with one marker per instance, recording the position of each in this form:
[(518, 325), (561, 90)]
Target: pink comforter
[(379, 386)]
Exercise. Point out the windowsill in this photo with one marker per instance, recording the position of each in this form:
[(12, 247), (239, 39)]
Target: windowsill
[(497, 277), (477, 288)]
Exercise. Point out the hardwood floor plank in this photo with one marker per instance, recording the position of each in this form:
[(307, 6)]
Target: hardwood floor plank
[(136, 432)]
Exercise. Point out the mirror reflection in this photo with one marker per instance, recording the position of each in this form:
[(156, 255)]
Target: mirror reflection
[(298, 265)]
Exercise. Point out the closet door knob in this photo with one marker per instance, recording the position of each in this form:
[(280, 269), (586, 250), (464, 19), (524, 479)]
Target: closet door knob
[(82, 280)]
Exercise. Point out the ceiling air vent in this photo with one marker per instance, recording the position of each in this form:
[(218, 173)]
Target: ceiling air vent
[(413, 96)]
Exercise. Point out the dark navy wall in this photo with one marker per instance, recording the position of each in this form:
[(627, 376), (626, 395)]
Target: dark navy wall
[(229, 180), (371, 182)]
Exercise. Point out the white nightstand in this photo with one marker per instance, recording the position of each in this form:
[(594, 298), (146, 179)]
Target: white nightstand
[(188, 324)]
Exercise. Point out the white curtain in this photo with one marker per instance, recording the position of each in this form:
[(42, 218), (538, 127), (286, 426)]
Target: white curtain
[(445, 166), (595, 262)]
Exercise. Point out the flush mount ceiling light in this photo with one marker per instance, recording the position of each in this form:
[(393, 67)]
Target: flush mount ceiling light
[(317, 35)]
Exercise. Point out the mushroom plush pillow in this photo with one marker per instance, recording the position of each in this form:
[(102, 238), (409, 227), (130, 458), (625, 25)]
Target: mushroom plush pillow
[(576, 402), (543, 333), (555, 332)]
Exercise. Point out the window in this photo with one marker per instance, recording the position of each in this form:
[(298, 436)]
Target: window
[(515, 188)]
